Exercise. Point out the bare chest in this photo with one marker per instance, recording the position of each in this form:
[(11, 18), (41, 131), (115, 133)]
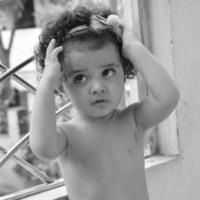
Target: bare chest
[(103, 148), (111, 162)]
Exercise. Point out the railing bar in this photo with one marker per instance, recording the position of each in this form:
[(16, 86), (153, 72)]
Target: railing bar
[(22, 141), (30, 192), (63, 109), (14, 149), (19, 80), (33, 170), (30, 168), (15, 69), (24, 83)]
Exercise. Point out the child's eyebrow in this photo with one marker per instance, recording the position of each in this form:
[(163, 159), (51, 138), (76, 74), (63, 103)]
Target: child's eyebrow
[(73, 72), (110, 65)]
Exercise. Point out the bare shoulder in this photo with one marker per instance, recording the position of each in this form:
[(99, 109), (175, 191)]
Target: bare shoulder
[(63, 136), (68, 132), (128, 116)]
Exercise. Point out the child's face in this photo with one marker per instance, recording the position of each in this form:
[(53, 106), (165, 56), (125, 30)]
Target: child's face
[(95, 80)]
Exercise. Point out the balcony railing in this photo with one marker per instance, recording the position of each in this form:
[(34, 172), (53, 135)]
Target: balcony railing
[(49, 185)]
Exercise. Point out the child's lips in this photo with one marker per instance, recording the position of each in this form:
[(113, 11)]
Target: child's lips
[(99, 102)]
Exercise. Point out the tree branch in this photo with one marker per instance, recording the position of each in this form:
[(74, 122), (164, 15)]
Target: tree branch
[(1, 42), (2, 50), (11, 39)]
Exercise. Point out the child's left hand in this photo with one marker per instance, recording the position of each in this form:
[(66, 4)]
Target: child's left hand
[(126, 33)]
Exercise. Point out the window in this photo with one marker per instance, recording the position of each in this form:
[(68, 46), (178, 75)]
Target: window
[(160, 140)]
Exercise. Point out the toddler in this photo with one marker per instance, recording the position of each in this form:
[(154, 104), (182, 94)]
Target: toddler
[(87, 55)]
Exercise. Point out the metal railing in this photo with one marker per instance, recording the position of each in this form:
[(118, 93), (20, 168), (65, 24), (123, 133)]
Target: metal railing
[(16, 78), (11, 152), (32, 169)]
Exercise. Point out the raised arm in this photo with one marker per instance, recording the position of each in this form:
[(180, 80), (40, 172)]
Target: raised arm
[(164, 93), (45, 141)]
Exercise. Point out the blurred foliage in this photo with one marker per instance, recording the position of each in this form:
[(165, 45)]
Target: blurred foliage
[(47, 10), (3, 121), (10, 12)]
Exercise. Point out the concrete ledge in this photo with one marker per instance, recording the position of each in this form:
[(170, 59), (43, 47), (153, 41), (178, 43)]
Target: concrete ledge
[(158, 160)]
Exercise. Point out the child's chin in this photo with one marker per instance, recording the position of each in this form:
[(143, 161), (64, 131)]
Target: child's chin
[(102, 114)]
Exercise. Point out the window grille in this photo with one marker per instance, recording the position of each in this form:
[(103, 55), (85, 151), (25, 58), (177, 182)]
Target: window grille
[(10, 154)]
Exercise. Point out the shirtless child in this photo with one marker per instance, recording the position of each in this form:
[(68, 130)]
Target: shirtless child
[(100, 151)]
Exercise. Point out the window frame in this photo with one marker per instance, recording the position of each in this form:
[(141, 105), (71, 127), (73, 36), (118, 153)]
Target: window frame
[(137, 16)]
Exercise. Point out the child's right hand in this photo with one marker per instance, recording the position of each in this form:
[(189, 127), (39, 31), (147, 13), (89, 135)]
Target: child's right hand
[(52, 70)]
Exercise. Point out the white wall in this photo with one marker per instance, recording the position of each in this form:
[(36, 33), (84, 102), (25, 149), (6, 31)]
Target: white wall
[(179, 179)]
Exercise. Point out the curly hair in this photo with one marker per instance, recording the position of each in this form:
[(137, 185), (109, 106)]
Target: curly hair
[(60, 31)]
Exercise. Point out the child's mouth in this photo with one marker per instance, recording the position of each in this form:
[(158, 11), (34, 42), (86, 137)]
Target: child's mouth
[(100, 102)]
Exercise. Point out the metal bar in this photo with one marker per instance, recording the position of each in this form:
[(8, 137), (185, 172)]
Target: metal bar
[(22, 141), (30, 192), (30, 168), (14, 149), (15, 69), (63, 109), (19, 80)]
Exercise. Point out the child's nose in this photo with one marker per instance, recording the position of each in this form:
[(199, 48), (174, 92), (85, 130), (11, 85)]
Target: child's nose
[(97, 88)]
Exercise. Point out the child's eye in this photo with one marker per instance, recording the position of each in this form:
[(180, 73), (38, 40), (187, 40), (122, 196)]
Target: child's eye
[(109, 72), (80, 78)]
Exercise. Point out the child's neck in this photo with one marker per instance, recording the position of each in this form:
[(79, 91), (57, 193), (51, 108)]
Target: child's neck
[(97, 120)]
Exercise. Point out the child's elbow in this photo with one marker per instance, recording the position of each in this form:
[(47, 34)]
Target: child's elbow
[(40, 150), (41, 154)]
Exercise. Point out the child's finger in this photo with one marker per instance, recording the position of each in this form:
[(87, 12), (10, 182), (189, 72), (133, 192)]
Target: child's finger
[(56, 51), (50, 47), (52, 64)]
